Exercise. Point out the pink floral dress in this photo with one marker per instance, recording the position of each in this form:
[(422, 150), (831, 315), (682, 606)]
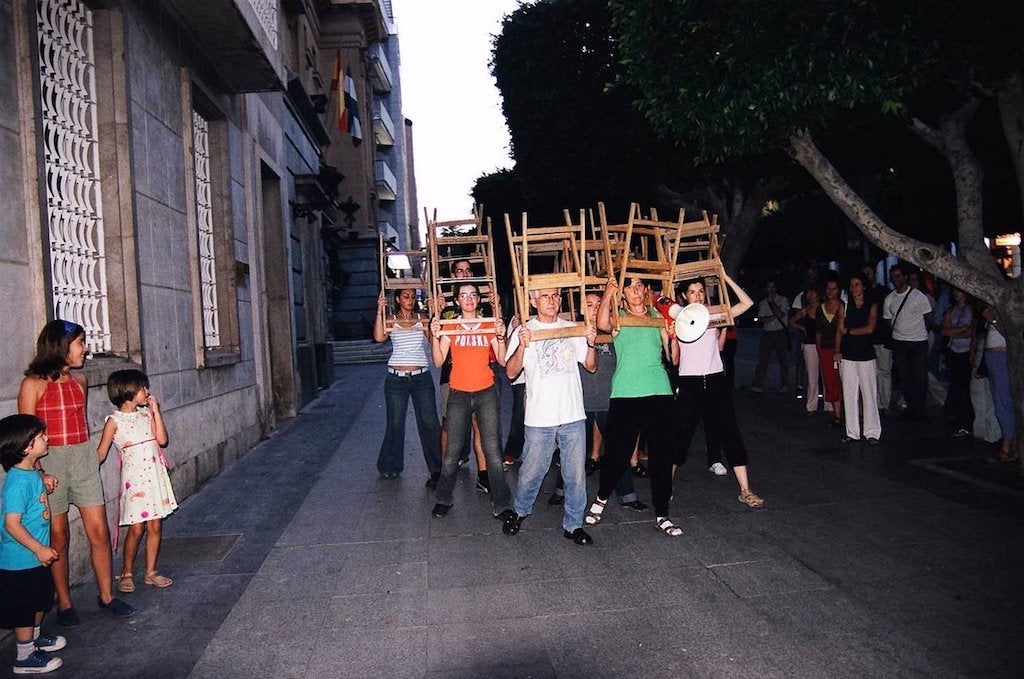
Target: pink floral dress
[(146, 492)]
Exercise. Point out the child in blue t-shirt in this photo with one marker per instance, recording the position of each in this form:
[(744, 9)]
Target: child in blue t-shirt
[(26, 586)]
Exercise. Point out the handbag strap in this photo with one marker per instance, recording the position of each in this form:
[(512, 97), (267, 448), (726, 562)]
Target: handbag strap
[(909, 290)]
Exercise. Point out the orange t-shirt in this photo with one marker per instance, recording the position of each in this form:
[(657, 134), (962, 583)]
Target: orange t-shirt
[(471, 369)]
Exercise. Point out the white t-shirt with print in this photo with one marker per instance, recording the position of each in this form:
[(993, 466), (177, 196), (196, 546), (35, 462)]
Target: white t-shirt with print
[(554, 393)]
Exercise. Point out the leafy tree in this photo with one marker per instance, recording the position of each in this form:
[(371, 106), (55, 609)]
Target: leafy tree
[(577, 141), (734, 79)]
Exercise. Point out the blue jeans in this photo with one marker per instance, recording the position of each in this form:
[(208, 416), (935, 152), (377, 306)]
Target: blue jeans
[(1002, 396), (461, 407), (540, 445), (397, 391)]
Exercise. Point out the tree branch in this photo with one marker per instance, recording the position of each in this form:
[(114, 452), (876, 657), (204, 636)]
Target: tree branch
[(984, 282)]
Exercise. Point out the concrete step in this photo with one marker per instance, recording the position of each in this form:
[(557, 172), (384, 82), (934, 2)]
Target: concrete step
[(360, 351)]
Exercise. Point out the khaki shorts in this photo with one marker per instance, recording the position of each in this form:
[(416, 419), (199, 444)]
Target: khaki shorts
[(78, 477)]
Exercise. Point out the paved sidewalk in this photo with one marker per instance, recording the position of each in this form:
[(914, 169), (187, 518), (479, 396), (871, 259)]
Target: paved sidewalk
[(299, 561)]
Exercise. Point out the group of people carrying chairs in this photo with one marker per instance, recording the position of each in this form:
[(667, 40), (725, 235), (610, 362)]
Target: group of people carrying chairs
[(642, 400)]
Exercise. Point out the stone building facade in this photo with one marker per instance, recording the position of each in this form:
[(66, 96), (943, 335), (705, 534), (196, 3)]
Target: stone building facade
[(172, 179)]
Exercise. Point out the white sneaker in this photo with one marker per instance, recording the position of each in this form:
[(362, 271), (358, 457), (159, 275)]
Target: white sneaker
[(718, 469)]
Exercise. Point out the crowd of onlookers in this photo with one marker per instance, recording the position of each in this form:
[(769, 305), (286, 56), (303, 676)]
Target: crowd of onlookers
[(865, 351)]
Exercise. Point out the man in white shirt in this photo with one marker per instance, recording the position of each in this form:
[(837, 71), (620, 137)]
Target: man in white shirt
[(554, 411), (772, 314), (909, 313)]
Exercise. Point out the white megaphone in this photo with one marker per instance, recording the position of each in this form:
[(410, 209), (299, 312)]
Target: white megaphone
[(691, 320)]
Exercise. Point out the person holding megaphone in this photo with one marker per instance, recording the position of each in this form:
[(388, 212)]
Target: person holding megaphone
[(703, 385)]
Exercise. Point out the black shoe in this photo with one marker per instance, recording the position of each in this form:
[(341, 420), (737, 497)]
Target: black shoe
[(117, 607), (592, 466), (68, 617), (440, 510), (504, 515), (635, 504), (483, 484), (640, 470), (556, 499), (579, 536), (432, 481), (511, 524)]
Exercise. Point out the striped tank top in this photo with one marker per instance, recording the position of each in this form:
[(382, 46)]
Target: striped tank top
[(408, 346)]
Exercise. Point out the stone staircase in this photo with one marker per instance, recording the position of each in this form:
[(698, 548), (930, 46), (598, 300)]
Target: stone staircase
[(360, 351)]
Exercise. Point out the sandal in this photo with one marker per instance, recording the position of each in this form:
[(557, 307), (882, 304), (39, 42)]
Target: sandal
[(665, 525), (125, 583), (157, 580), (593, 515), (751, 500)]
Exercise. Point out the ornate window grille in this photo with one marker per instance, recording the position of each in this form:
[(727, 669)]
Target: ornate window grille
[(266, 13), (204, 224), (67, 81)]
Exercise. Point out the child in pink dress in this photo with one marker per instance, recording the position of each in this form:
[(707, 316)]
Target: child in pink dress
[(137, 429)]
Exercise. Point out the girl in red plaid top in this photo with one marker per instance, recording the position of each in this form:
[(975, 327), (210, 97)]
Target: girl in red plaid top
[(51, 392)]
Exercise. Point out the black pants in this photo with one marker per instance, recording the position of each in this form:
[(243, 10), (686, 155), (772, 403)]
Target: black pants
[(517, 429), (710, 396), (911, 362), (627, 419), (958, 400)]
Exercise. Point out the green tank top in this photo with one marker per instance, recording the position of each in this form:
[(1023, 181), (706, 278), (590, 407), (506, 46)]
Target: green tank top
[(638, 369)]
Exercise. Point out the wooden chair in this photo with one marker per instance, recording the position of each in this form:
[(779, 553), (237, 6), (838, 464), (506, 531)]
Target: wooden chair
[(551, 257), (400, 270), (643, 248), (698, 255), (454, 241)]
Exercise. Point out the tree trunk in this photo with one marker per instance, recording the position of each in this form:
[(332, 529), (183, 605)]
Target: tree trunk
[(739, 211)]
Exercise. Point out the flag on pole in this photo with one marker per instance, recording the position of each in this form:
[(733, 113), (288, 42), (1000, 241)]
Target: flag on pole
[(339, 92)]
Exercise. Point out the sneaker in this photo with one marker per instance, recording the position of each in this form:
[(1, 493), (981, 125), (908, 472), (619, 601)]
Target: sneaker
[(508, 462), (718, 469), (68, 617), (635, 504), (432, 481), (440, 510), (482, 484), (556, 499), (640, 470), (961, 433), (116, 606), (40, 662), (50, 642)]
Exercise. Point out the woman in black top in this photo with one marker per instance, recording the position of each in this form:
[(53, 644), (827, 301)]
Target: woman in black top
[(857, 363)]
